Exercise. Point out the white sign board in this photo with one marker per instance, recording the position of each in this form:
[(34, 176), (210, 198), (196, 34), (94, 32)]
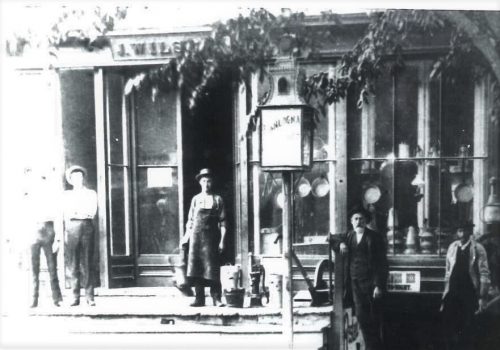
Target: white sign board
[(160, 177), (404, 281), (281, 137), (149, 47)]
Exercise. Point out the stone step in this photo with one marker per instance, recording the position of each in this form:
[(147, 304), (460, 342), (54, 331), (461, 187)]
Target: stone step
[(177, 309), (59, 333), (160, 314), (106, 325)]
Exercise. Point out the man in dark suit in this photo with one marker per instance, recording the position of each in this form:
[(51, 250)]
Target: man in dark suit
[(365, 274)]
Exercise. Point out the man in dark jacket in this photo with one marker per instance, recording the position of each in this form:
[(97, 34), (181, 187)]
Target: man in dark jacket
[(365, 274)]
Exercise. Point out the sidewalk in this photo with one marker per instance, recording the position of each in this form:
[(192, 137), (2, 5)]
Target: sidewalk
[(159, 317)]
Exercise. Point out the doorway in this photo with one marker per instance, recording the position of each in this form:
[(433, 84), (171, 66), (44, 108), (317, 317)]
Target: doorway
[(208, 142), (142, 183)]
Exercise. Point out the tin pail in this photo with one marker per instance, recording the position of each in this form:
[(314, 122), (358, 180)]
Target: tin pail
[(235, 297)]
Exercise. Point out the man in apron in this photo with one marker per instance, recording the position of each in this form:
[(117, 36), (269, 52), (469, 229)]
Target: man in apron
[(205, 232)]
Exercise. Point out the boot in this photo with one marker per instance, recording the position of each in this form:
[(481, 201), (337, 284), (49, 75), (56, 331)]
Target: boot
[(216, 294), (218, 302), (199, 299)]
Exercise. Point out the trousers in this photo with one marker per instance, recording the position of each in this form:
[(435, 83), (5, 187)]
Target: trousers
[(369, 314), (79, 249), (199, 288), (44, 240)]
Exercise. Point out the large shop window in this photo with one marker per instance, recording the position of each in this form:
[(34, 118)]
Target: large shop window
[(412, 158)]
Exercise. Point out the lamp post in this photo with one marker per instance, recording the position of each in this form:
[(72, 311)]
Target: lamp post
[(286, 147)]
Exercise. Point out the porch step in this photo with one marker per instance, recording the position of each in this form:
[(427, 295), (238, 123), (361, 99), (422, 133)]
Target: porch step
[(55, 334), (177, 311), (166, 318)]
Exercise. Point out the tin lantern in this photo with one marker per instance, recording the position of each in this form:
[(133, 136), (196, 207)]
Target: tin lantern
[(286, 126)]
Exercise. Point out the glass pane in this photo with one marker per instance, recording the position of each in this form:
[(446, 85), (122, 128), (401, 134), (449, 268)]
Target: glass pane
[(353, 124), (320, 140), (119, 211), (158, 209), (156, 128), (114, 90), (371, 184), (432, 144), (384, 90), (271, 216), (456, 192), (406, 112), (457, 116), (312, 205)]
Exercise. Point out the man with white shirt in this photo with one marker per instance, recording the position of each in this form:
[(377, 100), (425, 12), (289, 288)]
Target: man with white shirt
[(80, 207), (42, 210), (365, 274), (467, 278)]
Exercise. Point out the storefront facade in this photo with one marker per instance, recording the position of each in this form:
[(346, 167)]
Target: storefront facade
[(418, 155)]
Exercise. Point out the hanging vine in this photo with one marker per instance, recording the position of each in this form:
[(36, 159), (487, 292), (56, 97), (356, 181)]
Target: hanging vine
[(237, 48), (247, 44)]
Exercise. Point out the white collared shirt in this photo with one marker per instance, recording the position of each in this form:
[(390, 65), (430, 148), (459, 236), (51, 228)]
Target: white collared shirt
[(359, 236), (464, 246), (80, 204)]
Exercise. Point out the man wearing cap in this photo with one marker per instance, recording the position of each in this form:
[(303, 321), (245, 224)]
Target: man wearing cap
[(80, 207), (41, 207), (466, 288), (205, 232), (365, 274)]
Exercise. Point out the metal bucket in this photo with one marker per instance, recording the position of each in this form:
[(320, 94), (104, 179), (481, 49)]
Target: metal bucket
[(235, 297)]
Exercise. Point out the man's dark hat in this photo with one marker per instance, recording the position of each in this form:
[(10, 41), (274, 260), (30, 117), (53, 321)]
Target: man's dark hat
[(205, 172), (465, 224), (360, 210)]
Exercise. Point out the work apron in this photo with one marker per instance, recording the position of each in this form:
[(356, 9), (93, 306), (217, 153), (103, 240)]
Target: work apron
[(203, 259)]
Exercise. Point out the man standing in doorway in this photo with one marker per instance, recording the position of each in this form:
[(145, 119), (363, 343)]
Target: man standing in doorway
[(467, 278), (80, 207), (365, 272), (205, 233)]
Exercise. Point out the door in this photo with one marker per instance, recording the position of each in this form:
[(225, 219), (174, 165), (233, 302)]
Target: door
[(143, 189)]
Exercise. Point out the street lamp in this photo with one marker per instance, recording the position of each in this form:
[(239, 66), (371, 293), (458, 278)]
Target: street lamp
[(286, 135), (286, 122)]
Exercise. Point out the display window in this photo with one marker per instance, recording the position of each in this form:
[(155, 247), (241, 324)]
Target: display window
[(415, 158)]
